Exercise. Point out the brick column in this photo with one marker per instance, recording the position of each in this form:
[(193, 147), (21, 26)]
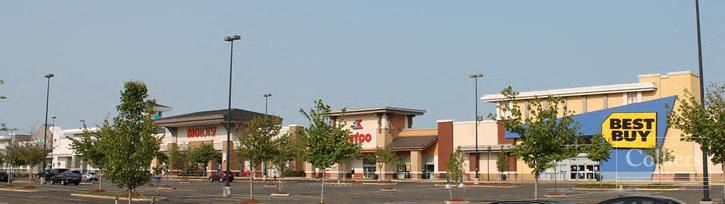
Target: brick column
[(445, 145)]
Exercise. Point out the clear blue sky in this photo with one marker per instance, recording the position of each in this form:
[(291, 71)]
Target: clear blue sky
[(415, 54)]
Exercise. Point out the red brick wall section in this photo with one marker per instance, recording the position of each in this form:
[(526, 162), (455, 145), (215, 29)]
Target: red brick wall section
[(501, 132), (472, 161), (445, 143), (512, 162)]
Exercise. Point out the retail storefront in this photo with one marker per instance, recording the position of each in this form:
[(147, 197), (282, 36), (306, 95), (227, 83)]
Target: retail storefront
[(387, 127), (631, 117), (188, 131)]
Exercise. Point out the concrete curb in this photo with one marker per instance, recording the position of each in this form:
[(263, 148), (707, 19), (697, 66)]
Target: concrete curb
[(166, 188), (554, 196), (113, 197), (458, 202), (657, 189), (19, 190), (279, 194), (380, 184), (595, 189), (389, 190)]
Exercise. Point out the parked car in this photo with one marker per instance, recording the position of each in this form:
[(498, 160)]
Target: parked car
[(50, 173), (221, 176), (66, 178), (90, 176), (4, 177), (642, 199)]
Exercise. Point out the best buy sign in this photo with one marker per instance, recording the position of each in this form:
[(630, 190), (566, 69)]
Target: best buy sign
[(631, 130)]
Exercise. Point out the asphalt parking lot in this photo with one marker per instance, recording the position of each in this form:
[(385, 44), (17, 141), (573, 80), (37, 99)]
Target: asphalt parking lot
[(309, 192)]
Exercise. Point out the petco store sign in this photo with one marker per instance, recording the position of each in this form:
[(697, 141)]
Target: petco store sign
[(631, 130)]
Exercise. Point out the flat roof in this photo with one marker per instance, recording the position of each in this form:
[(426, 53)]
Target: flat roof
[(578, 91), (384, 109), (209, 118)]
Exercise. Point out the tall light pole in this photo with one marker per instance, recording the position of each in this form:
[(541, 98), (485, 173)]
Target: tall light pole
[(45, 132), (706, 174), (475, 77), (264, 164), (231, 40), (266, 100)]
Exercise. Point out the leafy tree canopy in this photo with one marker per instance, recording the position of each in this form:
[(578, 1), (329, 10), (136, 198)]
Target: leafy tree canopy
[(703, 125)]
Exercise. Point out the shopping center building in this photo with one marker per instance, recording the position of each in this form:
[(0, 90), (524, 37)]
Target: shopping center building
[(602, 109), (631, 117)]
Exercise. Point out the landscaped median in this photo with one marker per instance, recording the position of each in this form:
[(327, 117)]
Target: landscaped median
[(121, 196), (23, 188)]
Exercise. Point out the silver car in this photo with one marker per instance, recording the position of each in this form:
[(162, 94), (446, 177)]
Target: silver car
[(90, 176)]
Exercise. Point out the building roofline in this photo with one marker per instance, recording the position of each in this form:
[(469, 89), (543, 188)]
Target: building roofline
[(577, 91), (384, 109)]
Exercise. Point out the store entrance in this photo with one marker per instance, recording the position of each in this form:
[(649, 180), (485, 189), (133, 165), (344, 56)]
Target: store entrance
[(584, 172), (369, 169), (428, 171)]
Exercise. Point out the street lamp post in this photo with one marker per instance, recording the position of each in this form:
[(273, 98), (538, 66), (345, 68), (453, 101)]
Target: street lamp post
[(706, 176), (45, 132), (231, 40), (266, 100), (475, 77), (264, 163)]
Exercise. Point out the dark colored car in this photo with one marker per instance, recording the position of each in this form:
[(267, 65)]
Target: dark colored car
[(4, 177), (50, 173), (66, 178), (642, 200), (530, 202), (221, 176)]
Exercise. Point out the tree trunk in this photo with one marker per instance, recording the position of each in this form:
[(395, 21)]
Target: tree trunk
[(536, 187), (130, 191), (322, 193), (10, 174), (30, 175), (722, 178), (556, 175), (100, 182), (659, 169), (251, 181)]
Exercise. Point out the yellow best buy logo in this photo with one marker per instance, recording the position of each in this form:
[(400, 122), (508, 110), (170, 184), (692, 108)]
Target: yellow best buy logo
[(631, 130)]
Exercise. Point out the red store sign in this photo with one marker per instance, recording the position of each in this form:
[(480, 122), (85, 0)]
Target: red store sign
[(360, 138), (201, 132)]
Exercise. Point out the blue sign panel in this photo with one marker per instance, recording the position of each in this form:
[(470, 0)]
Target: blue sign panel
[(630, 163)]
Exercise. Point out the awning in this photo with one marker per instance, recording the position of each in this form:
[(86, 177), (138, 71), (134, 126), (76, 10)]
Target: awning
[(416, 143), (485, 148)]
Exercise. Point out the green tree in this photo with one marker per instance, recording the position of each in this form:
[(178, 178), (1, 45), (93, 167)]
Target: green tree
[(502, 163), (288, 148), (258, 145), (33, 154), (599, 150), (131, 144), (546, 134), (327, 141), (659, 156), (456, 169), (203, 154), (14, 157), (174, 156), (88, 148), (703, 125), (385, 157)]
